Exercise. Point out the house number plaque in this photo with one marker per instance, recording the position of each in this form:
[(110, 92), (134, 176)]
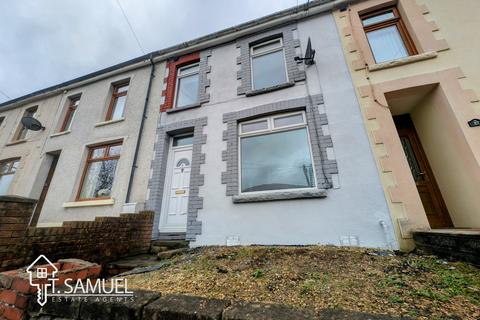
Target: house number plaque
[(180, 191), (474, 123)]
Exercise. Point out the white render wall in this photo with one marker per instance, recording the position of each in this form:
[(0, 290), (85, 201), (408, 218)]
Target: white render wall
[(357, 208), (34, 162)]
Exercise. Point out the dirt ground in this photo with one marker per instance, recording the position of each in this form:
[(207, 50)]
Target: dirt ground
[(418, 286)]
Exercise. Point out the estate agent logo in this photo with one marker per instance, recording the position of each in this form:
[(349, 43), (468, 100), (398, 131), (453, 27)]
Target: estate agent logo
[(43, 275)]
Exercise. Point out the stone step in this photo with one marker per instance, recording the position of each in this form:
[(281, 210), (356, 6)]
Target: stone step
[(157, 249), (170, 244), (171, 253), (125, 264)]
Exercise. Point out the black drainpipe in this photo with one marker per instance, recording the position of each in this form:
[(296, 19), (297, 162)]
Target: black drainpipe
[(139, 138)]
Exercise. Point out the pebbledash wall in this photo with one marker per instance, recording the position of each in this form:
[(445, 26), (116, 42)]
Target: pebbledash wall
[(88, 128), (349, 203)]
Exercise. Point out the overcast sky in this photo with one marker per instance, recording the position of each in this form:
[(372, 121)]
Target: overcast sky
[(45, 42)]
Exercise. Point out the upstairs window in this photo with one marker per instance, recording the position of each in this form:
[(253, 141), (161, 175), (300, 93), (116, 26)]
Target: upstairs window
[(187, 85), (22, 131), (268, 64), (70, 114), (117, 103), (387, 35), (99, 172), (7, 172), (275, 154)]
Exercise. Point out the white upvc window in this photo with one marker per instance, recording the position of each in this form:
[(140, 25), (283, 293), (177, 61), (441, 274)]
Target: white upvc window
[(268, 64), (187, 85), (275, 154)]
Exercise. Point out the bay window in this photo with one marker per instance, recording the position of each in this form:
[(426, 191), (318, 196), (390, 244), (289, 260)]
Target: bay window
[(275, 154), (99, 172)]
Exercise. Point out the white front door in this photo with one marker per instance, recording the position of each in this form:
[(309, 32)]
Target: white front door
[(173, 217)]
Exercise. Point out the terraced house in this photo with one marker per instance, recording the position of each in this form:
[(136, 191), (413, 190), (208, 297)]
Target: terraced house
[(416, 80), (257, 134)]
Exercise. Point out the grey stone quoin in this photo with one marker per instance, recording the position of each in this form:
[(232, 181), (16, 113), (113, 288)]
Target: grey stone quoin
[(159, 168), (324, 167), (289, 46)]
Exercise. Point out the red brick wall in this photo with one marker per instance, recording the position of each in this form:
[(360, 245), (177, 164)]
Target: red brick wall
[(172, 66), (16, 291), (102, 240)]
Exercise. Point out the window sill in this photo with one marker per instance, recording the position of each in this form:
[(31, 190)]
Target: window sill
[(190, 106), (251, 93), (12, 143), (279, 195), (104, 123), (89, 203), (59, 134), (404, 61)]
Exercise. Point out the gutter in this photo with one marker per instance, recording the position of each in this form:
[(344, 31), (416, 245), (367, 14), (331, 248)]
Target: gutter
[(140, 130), (214, 39)]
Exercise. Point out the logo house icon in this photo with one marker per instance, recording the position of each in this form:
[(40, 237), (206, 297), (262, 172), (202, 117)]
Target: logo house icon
[(39, 277)]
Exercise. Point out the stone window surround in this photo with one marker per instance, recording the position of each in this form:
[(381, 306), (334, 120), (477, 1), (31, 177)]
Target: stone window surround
[(169, 90), (325, 167), (290, 44), (419, 29), (159, 167)]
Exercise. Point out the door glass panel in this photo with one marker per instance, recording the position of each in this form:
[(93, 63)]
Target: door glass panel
[(183, 162), (412, 160), (182, 141)]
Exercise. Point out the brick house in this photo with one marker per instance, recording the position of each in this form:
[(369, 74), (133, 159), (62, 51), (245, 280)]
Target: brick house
[(230, 139)]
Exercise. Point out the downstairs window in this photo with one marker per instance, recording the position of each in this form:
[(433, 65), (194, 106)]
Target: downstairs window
[(99, 173), (275, 154)]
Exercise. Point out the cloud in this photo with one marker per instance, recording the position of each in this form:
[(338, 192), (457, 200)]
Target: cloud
[(46, 42)]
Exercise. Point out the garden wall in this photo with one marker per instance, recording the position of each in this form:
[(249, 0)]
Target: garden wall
[(102, 240)]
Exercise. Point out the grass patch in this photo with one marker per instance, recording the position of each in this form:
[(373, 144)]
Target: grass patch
[(319, 277)]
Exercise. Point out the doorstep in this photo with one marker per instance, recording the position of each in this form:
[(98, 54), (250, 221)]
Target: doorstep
[(459, 244)]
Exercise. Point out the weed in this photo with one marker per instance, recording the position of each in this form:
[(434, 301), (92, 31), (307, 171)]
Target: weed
[(427, 293), (395, 299), (259, 273), (307, 286)]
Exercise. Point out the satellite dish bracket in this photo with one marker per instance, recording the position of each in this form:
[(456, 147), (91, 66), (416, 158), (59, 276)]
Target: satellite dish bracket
[(309, 58)]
